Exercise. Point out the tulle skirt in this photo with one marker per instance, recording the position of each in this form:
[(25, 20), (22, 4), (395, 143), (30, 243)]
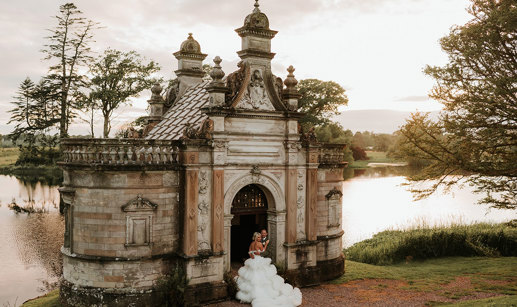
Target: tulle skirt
[(259, 285)]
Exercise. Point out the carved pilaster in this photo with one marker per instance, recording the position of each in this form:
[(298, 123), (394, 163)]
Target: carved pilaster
[(218, 211), (190, 213), (312, 199), (68, 197), (291, 205), (227, 239)]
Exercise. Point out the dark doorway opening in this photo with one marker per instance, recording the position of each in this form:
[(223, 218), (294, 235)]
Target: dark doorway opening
[(249, 208)]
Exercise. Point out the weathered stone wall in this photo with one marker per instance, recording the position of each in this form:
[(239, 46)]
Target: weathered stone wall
[(329, 210), (137, 274), (121, 224)]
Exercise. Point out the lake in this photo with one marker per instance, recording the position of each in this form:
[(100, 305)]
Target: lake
[(373, 201), (30, 256)]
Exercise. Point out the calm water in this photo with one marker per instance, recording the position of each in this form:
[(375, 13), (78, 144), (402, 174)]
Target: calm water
[(373, 201), (30, 244)]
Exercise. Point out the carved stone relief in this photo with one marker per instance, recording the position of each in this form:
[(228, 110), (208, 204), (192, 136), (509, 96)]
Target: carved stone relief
[(300, 203), (203, 230), (256, 96)]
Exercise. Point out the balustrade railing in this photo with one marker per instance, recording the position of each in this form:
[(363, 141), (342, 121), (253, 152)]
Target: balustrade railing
[(119, 151), (332, 154)]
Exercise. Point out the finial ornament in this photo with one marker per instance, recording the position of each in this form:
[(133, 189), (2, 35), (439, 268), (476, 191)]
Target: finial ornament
[(217, 73), (290, 82), (156, 91), (256, 5)]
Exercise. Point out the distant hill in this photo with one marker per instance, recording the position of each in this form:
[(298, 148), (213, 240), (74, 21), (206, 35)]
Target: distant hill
[(378, 121)]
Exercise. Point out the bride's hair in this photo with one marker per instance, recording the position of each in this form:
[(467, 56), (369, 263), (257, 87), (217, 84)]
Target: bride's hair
[(255, 235)]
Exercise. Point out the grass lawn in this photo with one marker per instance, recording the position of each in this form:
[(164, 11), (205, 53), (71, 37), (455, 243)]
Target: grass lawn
[(476, 274), (50, 299), (486, 275), (375, 157), (8, 156)]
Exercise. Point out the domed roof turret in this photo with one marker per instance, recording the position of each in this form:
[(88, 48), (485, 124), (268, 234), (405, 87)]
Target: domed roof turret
[(256, 24), (190, 45), (190, 48), (256, 19)]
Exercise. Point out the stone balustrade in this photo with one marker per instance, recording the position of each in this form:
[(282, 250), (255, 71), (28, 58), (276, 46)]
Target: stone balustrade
[(120, 152), (332, 154)]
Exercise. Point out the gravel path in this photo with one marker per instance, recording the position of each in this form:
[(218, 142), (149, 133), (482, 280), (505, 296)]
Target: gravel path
[(373, 292)]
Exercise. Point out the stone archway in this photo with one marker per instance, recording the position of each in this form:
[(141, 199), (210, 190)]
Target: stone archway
[(275, 213), (249, 210)]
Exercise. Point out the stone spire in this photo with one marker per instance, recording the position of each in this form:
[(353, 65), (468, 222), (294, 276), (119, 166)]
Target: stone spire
[(190, 63), (256, 36), (217, 89), (156, 102), (290, 93)]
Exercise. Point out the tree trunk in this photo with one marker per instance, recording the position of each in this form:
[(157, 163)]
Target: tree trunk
[(106, 126)]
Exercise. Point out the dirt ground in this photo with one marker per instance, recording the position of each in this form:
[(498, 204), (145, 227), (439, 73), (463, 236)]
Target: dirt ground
[(378, 292)]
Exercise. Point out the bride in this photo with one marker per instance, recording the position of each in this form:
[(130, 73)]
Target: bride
[(259, 284)]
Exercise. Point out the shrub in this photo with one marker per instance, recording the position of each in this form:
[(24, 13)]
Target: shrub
[(173, 286), (393, 246)]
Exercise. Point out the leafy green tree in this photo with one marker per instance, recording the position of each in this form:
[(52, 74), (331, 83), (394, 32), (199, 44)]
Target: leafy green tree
[(116, 77), (319, 101), (475, 138), (334, 133), (68, 51)]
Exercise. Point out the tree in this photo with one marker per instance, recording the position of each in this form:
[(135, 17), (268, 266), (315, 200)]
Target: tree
[(116, 77), (68, 50), (36, 110), (475, 138), (333, 133), (320, 100)]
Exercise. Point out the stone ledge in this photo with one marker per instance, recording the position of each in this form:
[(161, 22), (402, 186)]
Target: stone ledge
[(76, 296), (330, 237), (66, 252), (210, 292), (331, 269)]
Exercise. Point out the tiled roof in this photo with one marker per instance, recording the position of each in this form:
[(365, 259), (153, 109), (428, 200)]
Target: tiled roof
[(187, 110)]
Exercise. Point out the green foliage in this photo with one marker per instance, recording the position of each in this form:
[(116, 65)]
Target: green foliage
[(231, 284), (333, 133), (394, 246), (116, 77), (50, 299), (358, 153), (320, 101), (173, 286), (476, 132)]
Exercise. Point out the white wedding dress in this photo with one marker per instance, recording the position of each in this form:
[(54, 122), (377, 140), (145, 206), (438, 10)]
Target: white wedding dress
[(259, 285)]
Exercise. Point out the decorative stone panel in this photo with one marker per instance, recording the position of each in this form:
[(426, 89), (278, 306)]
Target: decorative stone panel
[(333, 203), (139, 221)]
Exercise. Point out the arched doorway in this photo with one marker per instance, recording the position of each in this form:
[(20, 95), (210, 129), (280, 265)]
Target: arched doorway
[(249, 209)]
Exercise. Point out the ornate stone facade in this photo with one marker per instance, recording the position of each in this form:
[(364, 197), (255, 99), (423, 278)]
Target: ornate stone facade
[(134, 208)]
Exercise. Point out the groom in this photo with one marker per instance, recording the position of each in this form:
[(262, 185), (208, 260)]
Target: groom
[(265, 242)]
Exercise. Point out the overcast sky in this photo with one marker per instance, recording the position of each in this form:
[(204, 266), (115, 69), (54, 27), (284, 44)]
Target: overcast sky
[(376, 49)]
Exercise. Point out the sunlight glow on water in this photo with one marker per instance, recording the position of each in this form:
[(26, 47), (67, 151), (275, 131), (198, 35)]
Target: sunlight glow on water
[(374, 204)]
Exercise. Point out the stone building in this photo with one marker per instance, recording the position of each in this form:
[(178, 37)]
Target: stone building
[(220, 159)]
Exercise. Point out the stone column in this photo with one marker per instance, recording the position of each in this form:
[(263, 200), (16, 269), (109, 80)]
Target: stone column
[(291, 188), (276, 226), (312, 194), (191, 202), (218, 211), (228, 240)]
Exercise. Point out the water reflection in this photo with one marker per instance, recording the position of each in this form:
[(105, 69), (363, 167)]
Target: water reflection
[(375, 200), (30, 257)]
